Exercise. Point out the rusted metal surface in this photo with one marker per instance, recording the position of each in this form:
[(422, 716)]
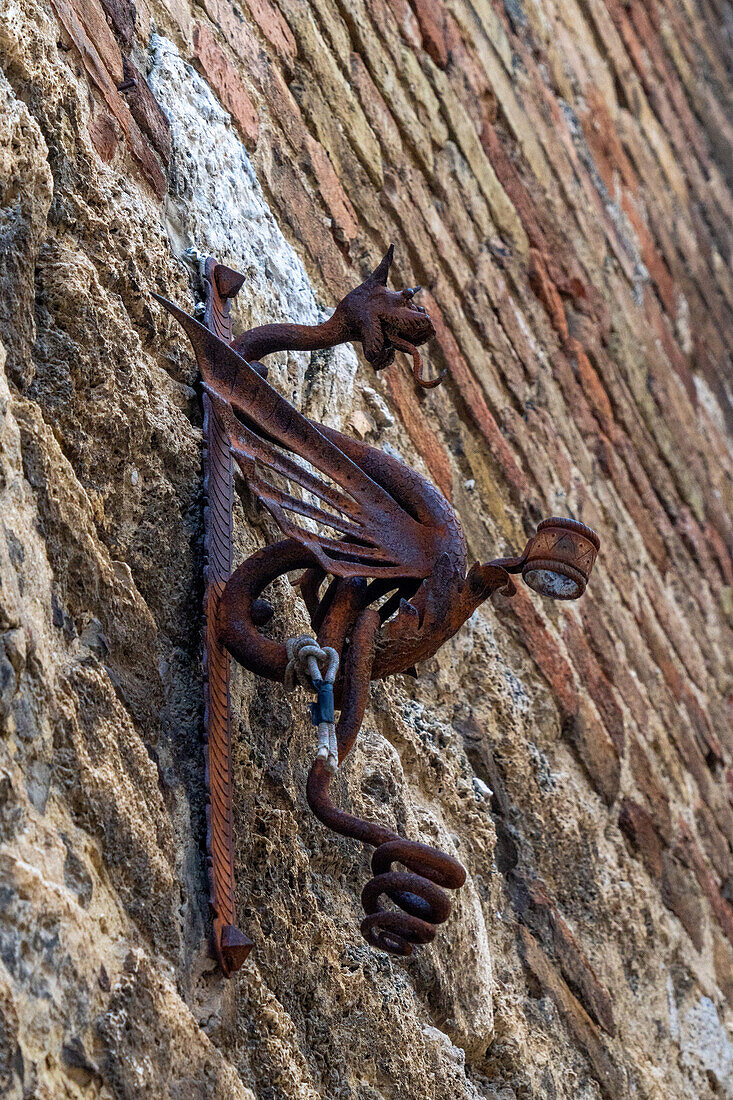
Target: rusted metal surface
[(389, 551), (230, 945)]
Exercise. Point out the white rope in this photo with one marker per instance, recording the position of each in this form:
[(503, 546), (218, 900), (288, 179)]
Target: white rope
[(309, 665)]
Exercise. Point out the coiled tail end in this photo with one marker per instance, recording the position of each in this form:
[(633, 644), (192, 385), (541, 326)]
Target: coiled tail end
[(419, 891), (416, 891)]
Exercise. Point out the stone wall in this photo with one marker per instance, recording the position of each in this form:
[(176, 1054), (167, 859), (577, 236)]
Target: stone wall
[(558, 177)]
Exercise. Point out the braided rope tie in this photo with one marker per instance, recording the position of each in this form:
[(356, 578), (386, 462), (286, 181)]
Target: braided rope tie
[(315, 668)]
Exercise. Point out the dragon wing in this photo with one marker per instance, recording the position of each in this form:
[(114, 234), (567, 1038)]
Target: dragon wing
[(378, 537)]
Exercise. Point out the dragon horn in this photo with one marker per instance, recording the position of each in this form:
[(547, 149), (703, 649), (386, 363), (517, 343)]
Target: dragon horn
[(381, 271)]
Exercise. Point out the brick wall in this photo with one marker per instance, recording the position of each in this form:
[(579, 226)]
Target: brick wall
[(558, 177)]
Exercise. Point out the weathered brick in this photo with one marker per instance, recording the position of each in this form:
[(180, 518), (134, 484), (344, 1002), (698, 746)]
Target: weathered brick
[(693, 857), (592, 387), (146, 111), (647, 783), (610, 1076), (226, 82), (121, 15), (722, 554), (246, 47), (597, 752), (580, 976), (426, 442), (104, 134), (375, 109), (431, 20), (653, 262), (536, 908), (475, 403), (464, 132), (723, 959), (104, 82), (716, 846), (300, 210), (328, 102), (468, 75), (594, 681), (346, 226), (408, 23), (92, 17), (520, 613), (547, 292), (680, 896), (639, 829), (275, 29)]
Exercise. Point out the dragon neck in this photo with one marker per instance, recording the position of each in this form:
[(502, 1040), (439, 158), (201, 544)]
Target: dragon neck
[(266, 339)]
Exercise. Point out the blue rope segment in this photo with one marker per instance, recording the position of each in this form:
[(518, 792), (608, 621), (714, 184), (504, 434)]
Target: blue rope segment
[(322, 710)]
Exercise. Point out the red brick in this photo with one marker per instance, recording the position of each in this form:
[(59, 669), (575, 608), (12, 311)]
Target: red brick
[(573, 395), (431, 19), (260, 71), (104, 134), (475, 403), (677, 633), (660, 651), (648, 493), (722, 909), (547, 292), (723, 958), (580, 976), (426, 442), (698, 545), (609, 1075), (98, 31), (705, 735), (147, 112), (592, 387), (226, 82), (593, 680), (271, 22), (642, 16), (597, 752), (639, 829), (103, 80), (345, 223)]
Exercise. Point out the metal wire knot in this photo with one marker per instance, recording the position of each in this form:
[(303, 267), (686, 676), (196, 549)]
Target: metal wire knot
[(314, 668)]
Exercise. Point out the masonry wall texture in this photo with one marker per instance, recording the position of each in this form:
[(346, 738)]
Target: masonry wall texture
[(559, 178)]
